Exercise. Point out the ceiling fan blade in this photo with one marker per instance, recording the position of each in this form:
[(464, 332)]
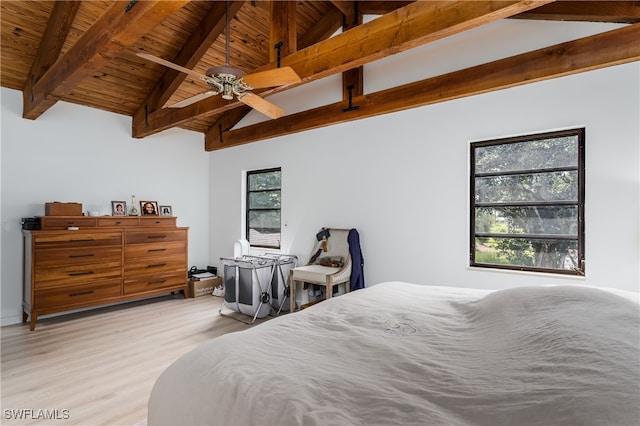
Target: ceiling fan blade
[(272, 78), (173, 66), (193, 99), (261, 105)]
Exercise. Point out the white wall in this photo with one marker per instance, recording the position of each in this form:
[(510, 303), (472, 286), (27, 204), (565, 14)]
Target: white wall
[(79, 154), (402, 179)]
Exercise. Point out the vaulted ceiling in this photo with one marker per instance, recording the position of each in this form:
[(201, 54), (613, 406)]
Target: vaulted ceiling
[(85, 52)]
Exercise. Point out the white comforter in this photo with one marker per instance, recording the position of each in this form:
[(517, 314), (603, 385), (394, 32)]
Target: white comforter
[(400, 353)]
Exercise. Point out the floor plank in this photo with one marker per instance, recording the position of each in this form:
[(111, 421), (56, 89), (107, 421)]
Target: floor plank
[(98, 367)]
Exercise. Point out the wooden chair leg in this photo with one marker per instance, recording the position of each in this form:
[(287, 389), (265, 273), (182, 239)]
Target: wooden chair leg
[(292, 294)]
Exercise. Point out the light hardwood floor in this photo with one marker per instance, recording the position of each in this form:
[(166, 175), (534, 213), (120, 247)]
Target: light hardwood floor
[(100, 365)]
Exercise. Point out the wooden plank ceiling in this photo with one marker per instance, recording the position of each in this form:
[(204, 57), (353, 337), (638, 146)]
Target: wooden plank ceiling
[(84, 52)]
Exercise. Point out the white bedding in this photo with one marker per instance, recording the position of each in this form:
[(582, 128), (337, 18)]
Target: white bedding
[(399, 353)]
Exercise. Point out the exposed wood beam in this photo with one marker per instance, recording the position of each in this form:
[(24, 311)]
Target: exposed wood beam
[(352, 79), (345, 7), (352, 15), (119, 27), (599, 51), (211, 26), (226, 122), (594, 11), (352, 83), (414, 25), (283, 28), (52, 40)]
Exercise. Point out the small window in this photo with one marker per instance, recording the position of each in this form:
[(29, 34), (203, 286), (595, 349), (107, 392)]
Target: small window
[(263, 208), (527, 203)]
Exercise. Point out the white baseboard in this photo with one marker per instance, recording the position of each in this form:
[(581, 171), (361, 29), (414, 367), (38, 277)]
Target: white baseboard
[(11, 320)]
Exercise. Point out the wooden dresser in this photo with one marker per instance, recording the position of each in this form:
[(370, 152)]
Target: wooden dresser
[(107, 259)]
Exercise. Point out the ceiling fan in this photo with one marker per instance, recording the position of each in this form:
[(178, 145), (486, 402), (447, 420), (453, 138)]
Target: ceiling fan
[(230, 81)]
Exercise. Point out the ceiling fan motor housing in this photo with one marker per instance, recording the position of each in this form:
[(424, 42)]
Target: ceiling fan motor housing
[(227, 80)]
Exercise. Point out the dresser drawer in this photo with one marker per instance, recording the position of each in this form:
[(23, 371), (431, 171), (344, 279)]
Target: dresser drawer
[(57, 276), (155, 250), (117, 221), (53, 222), (73, 239), (77, 256), (69, 296), (153, 282), (144, 266), (158, 236), (158, 221)]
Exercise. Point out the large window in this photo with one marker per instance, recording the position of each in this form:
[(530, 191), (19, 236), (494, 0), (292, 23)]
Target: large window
[(263, 208), (527, 203)]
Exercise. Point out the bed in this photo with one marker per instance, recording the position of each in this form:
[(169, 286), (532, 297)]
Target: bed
[(408, 354)]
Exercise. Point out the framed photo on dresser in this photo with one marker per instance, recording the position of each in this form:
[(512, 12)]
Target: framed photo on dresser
[(166, 211), (149, 208), (118, 208)]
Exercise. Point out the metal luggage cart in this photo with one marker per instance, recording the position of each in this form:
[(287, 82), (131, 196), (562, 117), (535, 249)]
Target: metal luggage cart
[(247, 282), (280, 285)]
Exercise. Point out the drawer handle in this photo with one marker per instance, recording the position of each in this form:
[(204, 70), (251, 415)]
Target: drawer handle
[(75, 256), (75, 274), (158, 222), (157, 265), (158, 282), (82, 293), (156, 236), (81, 241), (158, 249)]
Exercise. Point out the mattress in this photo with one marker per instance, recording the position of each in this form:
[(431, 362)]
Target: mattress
[(400, 353)]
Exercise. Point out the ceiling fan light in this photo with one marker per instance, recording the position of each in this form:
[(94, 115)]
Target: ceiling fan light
[(227, 92)]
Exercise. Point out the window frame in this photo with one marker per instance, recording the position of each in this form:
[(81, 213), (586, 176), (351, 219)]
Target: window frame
[(579, 203), (248, 208)]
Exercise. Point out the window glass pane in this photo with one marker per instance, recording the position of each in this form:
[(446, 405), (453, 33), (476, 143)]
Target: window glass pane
[(264, 228), (264, 219), (550, 220), (528, 155), (546, 254), (264, 200), (264, 238), (534, 187), (265, 180)]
